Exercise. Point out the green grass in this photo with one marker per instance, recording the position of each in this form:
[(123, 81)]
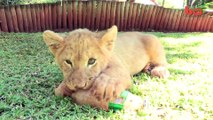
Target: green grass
[(28, 76)]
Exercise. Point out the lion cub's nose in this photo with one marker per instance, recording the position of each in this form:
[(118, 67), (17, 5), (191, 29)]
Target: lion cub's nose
[(78, 83)]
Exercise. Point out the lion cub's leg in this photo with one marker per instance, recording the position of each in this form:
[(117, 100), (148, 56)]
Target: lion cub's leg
[(110, 84), (158, 62), (83, 97), (160, 71), (158, 66), (157, 70), (111, 81)]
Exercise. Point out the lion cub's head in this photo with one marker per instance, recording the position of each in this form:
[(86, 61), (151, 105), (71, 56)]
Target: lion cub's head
[(82, 54)]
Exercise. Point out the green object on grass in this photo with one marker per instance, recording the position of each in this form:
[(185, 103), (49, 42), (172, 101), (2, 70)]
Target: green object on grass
[(118, 104)]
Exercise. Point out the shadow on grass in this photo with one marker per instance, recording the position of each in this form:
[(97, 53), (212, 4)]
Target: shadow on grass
[(180, 71), (182, 51), (176, 35)]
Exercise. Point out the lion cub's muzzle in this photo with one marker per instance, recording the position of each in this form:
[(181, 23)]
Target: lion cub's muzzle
[(78, 81)]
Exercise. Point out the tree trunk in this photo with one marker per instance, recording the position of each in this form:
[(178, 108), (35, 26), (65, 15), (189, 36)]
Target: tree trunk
[(163, 3)]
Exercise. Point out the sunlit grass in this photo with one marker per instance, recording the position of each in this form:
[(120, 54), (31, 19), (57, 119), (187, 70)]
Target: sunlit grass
[(28, 76)]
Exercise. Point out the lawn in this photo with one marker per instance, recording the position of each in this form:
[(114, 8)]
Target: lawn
[(28, 76)]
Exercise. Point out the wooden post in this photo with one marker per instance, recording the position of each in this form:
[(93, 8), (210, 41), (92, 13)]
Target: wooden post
[(3, 19)]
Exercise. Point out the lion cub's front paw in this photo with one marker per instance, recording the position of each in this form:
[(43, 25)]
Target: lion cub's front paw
[(160, 72), (62, 90), (106, 88)]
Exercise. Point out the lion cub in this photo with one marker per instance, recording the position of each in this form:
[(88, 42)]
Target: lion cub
[(97, 66)]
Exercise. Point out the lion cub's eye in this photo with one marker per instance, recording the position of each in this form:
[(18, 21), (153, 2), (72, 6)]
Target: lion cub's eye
[(91, 61), (68, 62)]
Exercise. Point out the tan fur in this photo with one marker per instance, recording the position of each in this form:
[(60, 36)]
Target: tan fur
[(118, 57)]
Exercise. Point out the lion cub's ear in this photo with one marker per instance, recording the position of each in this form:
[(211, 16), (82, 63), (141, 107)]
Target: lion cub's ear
[(107, 40), (53, 40)]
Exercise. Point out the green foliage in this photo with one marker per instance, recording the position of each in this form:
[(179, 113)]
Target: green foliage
[(29, 75), (204, 4), (209, 5)]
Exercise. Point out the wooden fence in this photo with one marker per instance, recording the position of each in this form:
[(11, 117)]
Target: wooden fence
[(98, 15)]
